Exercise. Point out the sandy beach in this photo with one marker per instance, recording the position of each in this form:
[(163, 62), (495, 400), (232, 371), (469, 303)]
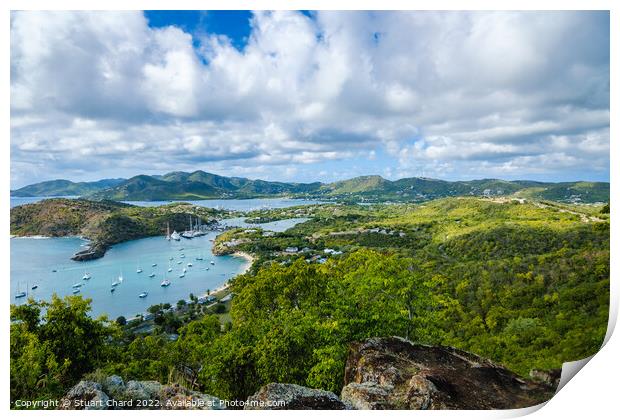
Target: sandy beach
[(249, 261)]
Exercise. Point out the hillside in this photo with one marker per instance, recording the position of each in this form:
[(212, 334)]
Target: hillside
[(104, 222), (60, 187), (200, 185)]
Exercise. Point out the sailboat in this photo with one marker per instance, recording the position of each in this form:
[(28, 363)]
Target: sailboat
[(165, 282), (168, 230), (175, 236), (120, 277), (169, 268), (138, 270), (19, 294)]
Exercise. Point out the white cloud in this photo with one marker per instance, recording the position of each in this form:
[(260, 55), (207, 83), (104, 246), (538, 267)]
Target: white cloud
[(442, 93)]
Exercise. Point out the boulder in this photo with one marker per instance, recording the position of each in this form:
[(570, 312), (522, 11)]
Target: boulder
[(112, 393), (86, 395), (393, 373), (276, 396)]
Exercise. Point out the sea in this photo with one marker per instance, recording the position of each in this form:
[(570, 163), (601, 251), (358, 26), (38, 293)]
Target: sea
[(46, 264)]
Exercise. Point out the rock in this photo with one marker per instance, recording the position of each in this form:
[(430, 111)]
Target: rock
[(114, 386), (548, 377), (293, 397), (86, 395), (113, 393), (94, 251), (142, 390), (393, 373), (175, 397)]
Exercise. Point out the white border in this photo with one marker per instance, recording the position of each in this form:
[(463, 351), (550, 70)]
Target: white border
[(591, 394)]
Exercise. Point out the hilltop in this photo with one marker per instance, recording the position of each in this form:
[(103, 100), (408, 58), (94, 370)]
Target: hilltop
[(200, 185), (105, 223)]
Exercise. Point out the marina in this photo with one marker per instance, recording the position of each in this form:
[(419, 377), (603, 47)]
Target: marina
[(106, 280)]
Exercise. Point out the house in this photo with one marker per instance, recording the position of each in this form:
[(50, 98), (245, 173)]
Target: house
[(291, 249)]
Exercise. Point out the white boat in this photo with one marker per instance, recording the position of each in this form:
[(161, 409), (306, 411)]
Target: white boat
[(212, 262), (143, 295), (180, 262), (19, 294), (86, 276), (175, 236), (154, 265), (182, 255), (116, 283), (138, 270), (189, 264), (165, 283), (120, 277), (184, 270), (152, 275), (169, 269), (182, 275), (76, 291), (77, 285), (207, 268)]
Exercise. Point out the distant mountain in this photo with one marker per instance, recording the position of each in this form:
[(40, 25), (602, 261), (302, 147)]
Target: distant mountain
[(373, 188), (60, 187)]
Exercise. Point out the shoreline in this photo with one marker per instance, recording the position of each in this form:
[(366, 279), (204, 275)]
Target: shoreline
[(249, 261)]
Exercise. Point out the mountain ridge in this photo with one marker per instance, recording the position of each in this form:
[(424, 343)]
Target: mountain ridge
[(199, 185)]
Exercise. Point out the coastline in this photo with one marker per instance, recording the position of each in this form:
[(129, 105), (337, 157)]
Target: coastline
[(249, 261)]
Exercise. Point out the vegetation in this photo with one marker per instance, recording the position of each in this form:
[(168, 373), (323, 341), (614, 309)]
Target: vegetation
[(60, 187), (104, 222), (525, 284), (202, 185)]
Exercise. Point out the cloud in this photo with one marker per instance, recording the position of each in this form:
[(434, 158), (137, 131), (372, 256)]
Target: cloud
[(448, 94)]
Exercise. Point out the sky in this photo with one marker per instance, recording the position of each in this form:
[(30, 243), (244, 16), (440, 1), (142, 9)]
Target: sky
[(310, 96)]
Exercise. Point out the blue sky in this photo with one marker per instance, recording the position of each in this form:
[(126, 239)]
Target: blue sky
[(306, 96)]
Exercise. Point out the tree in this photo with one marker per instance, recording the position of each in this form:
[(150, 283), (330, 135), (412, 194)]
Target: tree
[(121, 320)]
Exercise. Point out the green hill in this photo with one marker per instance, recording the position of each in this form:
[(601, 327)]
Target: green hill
[(203, 185), (59, 187)]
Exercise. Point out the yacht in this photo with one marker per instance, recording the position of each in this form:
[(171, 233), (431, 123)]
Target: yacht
[(86, 276), (143, 295), (165, 283), (212, 262), (152, 275), (175, 236), (19, 294), (189, 264)]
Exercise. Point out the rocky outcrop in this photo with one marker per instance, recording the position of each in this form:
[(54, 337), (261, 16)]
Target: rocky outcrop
[(94, 251), (112, 393), (293, 397), (393, 373)]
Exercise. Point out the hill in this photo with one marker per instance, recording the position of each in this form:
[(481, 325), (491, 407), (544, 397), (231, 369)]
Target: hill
[(104, 222), (59, 187), (200, 185)]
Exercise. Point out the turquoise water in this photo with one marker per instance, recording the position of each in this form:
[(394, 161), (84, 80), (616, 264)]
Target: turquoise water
[(33, 261), (237, 205)]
